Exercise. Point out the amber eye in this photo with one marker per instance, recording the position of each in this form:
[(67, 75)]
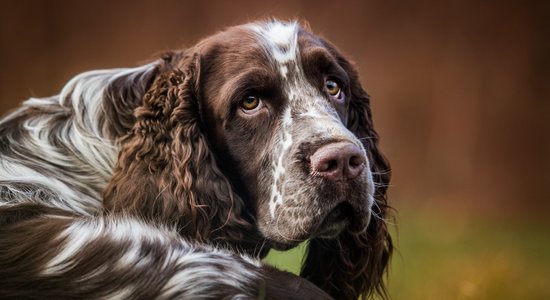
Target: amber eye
[(332, 88), (250, 103)]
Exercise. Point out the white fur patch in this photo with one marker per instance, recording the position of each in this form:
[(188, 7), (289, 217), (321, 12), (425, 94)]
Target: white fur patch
[(71, 136), (312, 113), (284, 71), (124, 293), (85, 231), (12, 171), (280, 33), (280, 39), (76, 237), (199, 270)]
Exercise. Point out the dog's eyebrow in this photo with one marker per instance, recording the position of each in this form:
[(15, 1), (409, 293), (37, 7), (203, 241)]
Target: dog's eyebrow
[(319, 59), (254, 80)]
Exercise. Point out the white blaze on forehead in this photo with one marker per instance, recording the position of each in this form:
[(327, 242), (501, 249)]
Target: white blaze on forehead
[(280, 41), (279, 33), (284, 71)]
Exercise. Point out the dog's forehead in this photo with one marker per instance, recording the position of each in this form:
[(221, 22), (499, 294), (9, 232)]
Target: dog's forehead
[(279, 39), (277, 32), (272, 45), (281, 42), (284, 40)]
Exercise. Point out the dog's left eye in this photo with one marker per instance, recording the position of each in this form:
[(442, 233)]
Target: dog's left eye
[(333, 88), (251, 104)]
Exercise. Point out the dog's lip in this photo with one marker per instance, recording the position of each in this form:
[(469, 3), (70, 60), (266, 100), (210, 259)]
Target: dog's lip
[(343, 215), (336, 220), (340, 212)]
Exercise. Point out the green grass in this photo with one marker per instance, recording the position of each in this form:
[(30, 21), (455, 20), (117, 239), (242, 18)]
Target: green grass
[(290, 260), (460, 258)]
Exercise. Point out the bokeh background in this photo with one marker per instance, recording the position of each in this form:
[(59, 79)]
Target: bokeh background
[(461, 98)]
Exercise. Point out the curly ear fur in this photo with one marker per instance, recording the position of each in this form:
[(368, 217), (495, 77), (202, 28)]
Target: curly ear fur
[(166, 171), (353, 265)]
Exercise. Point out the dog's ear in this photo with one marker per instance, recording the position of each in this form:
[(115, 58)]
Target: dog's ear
[(166, 171), (121, 96), (352, 265)]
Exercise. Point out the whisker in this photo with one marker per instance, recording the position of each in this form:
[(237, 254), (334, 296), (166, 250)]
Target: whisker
[(366, 138), (377, 184), (377, 214)]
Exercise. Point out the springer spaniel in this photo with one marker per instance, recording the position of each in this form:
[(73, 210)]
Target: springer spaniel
[(172, 180)]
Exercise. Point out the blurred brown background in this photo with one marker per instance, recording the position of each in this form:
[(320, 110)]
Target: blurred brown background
[(460, 89)]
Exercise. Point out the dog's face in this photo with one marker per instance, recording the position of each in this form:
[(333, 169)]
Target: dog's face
[(259, 137), (275, 103)]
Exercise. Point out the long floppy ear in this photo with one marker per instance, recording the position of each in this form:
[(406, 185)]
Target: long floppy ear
[(352, 265), (166, 171), (123, 94)]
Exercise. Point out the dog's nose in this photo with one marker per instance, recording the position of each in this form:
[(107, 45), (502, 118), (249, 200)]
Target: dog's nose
[(338, 161)]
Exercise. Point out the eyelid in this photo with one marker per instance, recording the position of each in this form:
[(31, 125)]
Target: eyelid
[(338, 81), (340, 97)]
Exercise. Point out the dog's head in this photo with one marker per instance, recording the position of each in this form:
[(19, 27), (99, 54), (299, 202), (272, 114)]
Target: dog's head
[(263, 133)]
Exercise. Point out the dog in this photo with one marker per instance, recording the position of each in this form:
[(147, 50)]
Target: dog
[(173, 179)]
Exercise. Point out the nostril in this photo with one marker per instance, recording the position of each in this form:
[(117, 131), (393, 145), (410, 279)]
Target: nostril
[(355, 166), (324, 164), (331, 165), (356, 161)]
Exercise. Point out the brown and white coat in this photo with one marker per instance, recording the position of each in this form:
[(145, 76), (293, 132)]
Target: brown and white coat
[(173, 179)]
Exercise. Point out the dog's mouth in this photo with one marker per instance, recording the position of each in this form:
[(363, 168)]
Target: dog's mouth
[(336, 221)]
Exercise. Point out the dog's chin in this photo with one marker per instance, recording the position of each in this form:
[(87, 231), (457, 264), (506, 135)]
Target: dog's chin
[(341, 217)]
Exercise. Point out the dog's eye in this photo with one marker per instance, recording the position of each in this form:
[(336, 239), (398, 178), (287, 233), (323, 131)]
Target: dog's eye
[(332, 88), (251, 104)]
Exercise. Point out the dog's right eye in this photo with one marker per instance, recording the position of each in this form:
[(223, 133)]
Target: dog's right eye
[(251, 104), (333, 88)]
